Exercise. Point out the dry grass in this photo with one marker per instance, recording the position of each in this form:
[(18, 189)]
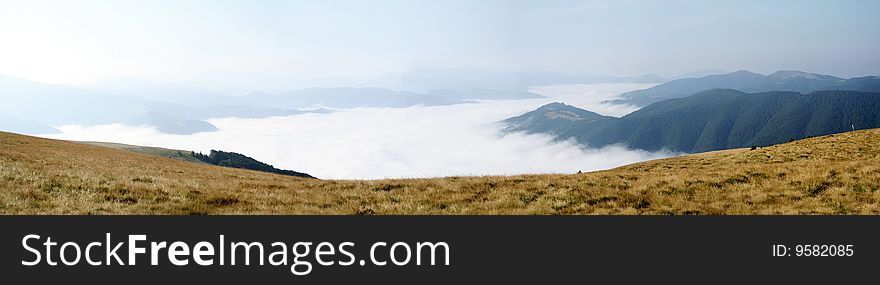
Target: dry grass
[(837, 174)]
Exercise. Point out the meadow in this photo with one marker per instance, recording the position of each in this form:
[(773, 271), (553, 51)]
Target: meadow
[(834, 174)]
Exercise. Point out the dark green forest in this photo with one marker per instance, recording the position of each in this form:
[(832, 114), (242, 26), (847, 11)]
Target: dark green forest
[(235, 160), (711, 120)]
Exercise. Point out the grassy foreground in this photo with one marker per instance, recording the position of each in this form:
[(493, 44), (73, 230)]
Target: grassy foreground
[(837, 174)]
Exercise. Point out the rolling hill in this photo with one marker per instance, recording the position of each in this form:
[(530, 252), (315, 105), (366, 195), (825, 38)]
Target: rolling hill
[(215, 157), (710, 120), (784, 80), (835, 174)]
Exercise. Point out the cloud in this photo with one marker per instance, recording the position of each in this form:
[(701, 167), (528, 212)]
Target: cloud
[(368, 143)]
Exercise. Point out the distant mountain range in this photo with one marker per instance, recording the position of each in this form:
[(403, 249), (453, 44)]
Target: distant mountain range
[(37, 108), (698, 74), (350, 97), (170, 124), (34, 108), (785, 80), (166, 92), (430, 79), (22, 126), (44, 105), (711, 120), (482, 94)]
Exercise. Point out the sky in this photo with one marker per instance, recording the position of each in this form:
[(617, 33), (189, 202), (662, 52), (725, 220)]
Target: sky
[(277, 44)]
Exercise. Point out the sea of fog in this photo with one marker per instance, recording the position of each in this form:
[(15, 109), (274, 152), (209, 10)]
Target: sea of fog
[(370, 143)]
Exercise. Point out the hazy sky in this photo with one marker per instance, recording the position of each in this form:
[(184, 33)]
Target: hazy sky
[(268, 44)]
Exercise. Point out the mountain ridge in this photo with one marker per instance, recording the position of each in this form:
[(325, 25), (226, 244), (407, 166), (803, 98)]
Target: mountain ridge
[(180, 109), (750, 82), (716, 119)]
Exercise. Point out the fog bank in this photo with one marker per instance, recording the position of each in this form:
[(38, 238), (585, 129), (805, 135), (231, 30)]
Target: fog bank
[(368, 143)]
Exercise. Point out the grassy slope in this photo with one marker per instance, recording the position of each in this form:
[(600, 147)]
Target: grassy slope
[(837, 174), (157, 151)]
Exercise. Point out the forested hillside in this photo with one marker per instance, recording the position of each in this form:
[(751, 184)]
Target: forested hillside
[(713, 120), (235, 160)]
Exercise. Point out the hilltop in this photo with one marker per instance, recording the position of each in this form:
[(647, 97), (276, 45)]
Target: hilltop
[(834, 174)]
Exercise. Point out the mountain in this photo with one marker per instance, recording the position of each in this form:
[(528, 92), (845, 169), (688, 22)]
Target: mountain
[(822, 175), (712, 120), (528, 79), (61, 105), (356, 97), (12, 124), (45, 105), (483, 94), (189, 102), (698, 73), (170, 124), (180, 109), (347, 97), (866, 83), (169, 93), (785, 80), (554, 118), (430, 79)]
